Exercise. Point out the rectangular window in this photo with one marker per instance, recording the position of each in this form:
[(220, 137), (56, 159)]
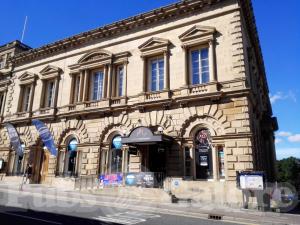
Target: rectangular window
[(97, 88), (76, 97), (120, 77), (221, 163), (2, 62), (1, 101), (49, 100), (199, 66), (26, 98), (157, 74)]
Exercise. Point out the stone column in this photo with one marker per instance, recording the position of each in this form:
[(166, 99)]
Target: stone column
[(86, 86), (144, 84), (42, 101), (104, 94), (56, 86), (109, 85), (81, 85), (214, 154), (125, 79), (125, 150), (71, 101), (185, 65), (166, 71), (31, 96), (211, 50)]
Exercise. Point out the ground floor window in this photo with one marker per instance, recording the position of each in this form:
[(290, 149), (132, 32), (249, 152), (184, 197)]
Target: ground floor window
[(203, 155), (68, 159), (116, 155), (221, 163)]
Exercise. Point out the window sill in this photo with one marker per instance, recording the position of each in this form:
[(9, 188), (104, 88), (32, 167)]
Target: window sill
[(44, 111)]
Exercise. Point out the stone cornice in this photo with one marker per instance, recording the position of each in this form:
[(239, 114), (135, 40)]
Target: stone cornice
[(178, 9)]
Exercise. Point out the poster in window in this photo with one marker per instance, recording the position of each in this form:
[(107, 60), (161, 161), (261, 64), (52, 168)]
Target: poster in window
[(202, 141), (203, 159)]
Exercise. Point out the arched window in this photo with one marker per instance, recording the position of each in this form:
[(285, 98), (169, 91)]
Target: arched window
[(70, 159), (203, 155), (116, 155)]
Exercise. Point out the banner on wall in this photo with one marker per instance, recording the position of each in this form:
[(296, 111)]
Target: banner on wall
[(46, 136), (115, 179), (141, 179), (14, 139)]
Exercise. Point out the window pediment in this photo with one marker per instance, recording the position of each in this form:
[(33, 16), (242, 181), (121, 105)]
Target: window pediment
[(154, 45), (50, 72), (95, 56), (27, 78), (197, 34)]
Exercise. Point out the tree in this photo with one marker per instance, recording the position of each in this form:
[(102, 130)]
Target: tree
[(289, 171)]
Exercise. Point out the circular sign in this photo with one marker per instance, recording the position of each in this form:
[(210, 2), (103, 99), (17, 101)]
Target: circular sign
[(73, 145), (117, 142)]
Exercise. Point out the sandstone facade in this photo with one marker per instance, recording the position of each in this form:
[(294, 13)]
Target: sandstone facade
[(233, 106)]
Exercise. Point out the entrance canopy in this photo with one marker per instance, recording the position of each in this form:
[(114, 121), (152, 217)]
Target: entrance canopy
[(143, 135)]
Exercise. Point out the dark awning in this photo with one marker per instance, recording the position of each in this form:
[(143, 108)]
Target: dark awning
[(144, 135)]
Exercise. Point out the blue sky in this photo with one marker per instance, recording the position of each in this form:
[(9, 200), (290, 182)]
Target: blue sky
[(278, 26)]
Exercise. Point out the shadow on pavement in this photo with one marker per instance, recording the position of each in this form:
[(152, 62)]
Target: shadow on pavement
[(19, 216)]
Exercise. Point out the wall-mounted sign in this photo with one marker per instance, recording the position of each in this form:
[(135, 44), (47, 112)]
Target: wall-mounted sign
[(142, 179), (1, 164), (251, 180), (111, 179)]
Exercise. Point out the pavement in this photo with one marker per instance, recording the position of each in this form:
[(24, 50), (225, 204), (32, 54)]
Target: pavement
[(39, 204)]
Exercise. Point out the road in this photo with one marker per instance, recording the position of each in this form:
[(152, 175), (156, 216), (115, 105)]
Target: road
[(48, 206)]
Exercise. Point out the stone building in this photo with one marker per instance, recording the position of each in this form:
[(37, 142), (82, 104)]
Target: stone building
[(180, 91)]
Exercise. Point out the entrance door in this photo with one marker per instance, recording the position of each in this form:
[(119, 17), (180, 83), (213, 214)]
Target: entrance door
[(40, 165), (157, 164), (157, 159)]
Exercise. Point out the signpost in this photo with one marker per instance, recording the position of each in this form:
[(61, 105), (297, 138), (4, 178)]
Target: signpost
[(251, 181)]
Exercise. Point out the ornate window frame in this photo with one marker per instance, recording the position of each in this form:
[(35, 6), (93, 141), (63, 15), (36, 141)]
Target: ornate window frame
[(49, 73), (25, 80), (155, 47), (198, 36)]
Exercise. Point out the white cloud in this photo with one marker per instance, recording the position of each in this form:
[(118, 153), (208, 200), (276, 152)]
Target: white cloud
[(278, 140), (282, 153), (281, 96), (284, 134), (294, 138)]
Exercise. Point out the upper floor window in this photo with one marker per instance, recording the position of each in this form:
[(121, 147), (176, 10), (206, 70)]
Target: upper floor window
[(198, 45), (199, 66), (1, 102), (155, 54), (27, 87), (120, 81), (2, 62), (26, 91), (49, 96), (156, 74), (97, 85), (76, 95), (50, 79)]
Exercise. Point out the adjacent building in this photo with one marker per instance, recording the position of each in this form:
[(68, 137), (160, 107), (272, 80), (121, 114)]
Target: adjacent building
[(180, 91)]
